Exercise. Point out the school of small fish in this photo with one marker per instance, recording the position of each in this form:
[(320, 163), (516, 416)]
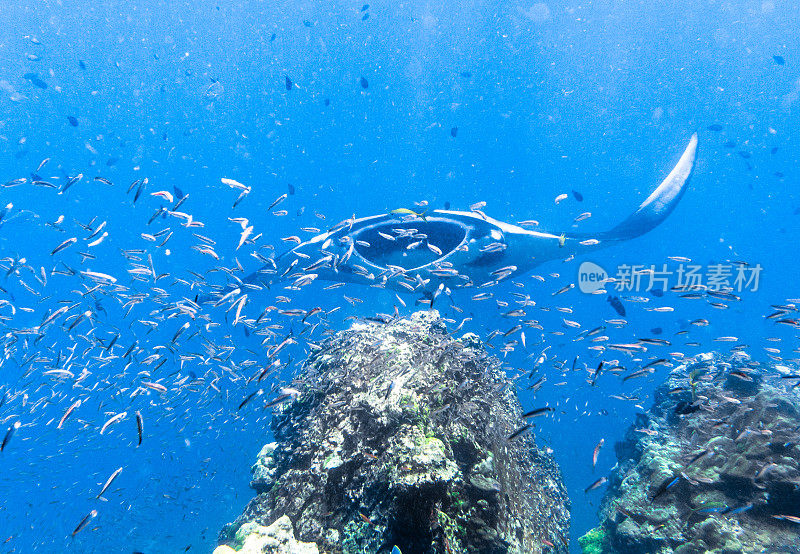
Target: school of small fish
[(128, 344), (107, 344)]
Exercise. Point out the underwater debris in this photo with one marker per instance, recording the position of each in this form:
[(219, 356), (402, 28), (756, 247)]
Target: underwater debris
[(713, 467), (397, 440)]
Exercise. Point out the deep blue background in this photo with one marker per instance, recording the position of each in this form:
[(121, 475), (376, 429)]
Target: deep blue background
[(600, 97)]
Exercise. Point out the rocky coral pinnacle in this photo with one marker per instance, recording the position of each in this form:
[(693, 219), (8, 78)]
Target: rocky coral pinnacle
[(399, 438)]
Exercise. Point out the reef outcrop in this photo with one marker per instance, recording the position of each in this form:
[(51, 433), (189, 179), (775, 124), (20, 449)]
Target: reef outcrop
[(278, 538), (399, 437), (713, 467)]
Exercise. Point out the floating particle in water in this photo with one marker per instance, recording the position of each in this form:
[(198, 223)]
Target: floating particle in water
[(72, 120), (214, 90), (577, 195), (364, 82), (715, 127), (454, 132), (82, 65), (779, 60), (288, 83)]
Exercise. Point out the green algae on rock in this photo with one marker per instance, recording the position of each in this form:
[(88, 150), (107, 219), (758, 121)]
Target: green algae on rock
[(593, 541), (399, 438), (711, 465)]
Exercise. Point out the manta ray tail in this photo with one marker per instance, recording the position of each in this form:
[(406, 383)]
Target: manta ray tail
[(660, 203)]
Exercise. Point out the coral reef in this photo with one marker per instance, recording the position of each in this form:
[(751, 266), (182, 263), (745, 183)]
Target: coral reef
[(714, 467), (400, 437), (278, 538), (593, 541)]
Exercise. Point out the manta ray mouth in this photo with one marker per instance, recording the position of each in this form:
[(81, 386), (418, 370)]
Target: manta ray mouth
[(409, 244)]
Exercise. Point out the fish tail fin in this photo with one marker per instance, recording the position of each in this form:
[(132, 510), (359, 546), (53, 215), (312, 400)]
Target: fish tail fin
[(660, 203)]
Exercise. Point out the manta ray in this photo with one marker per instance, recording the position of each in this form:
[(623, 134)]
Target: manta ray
[(444, 249)]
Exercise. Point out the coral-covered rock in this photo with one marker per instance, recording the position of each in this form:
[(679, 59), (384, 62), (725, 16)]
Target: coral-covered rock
[(400, 437), (278, 538), (714, 467), (264, 469)]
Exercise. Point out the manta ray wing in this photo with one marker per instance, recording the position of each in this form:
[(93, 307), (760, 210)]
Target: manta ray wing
[(660, 203)]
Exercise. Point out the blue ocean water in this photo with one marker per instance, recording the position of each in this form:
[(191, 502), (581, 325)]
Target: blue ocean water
[(510, 103)]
